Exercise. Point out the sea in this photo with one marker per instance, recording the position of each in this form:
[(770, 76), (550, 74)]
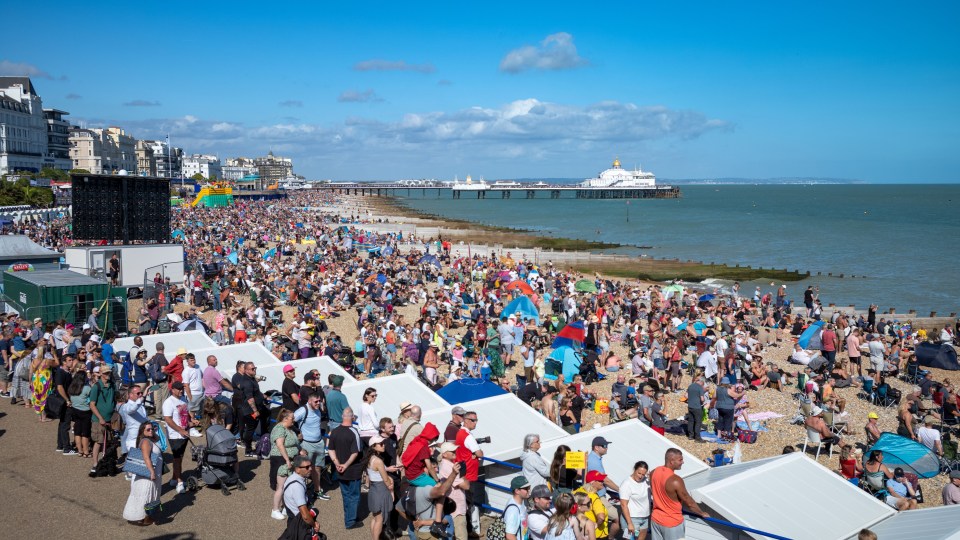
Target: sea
[(901, 242)]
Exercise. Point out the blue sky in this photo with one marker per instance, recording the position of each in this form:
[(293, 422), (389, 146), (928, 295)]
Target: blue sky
[(859, 90)]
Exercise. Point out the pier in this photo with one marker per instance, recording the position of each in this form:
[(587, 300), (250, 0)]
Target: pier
[(518, 190)]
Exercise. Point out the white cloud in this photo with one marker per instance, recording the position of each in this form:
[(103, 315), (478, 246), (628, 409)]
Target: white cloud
[(555, 52), (390, 65), (22, 69), (357, 96)]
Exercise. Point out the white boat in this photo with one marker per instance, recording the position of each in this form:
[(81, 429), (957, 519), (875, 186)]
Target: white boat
[(618, 177), (470, 185)]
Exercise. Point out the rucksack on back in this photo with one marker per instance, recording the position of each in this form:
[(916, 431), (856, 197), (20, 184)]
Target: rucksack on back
[(498, 529), (157, 363)]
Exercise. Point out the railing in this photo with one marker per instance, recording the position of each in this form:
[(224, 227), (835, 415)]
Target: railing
[(730, 525)]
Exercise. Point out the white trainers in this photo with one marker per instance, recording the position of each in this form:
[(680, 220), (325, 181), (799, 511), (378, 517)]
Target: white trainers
[(278, 515), (194, 432), (180, 488)]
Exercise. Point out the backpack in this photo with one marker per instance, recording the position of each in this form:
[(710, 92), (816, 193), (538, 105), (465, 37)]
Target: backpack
[(498, 529), (263, 446), (157, 363), (163, 326)]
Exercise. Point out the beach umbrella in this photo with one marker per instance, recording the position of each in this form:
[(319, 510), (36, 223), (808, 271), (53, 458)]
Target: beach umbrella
[(387, 250), (233, 258), (574, 331), (524, 306), (521, 286), (192, 324), (707, 297), (272, 252), (585, 285), (503, 273), (430, 259), (178, 233), (906, 453)]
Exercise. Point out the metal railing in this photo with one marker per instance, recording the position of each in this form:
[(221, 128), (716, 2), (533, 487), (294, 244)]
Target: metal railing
[(730, 525)]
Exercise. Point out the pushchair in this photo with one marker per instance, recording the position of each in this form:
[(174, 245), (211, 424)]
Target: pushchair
[(216, 462)]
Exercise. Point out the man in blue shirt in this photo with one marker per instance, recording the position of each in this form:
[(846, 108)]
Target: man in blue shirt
[(902, 496), (107, 351), (308, 419), (336, 401)]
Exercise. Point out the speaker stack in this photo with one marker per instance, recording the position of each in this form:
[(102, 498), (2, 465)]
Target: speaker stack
[(121, 208)]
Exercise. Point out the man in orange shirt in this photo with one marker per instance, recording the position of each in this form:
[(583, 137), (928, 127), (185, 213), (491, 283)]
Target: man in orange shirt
[(669, 496)]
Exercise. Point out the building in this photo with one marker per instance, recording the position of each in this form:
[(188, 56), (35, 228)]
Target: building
[(58, 140), (273, 169), (168, 159), (146, 163), (103, 151), (205, 165), (237, 168), (23, 130)]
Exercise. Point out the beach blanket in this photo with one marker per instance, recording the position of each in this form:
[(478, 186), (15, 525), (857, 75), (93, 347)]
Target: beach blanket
[(763, 415), (754, 426)]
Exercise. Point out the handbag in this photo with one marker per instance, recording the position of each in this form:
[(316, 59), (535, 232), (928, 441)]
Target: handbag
[(54, 405), (135, 464), (747, 436)]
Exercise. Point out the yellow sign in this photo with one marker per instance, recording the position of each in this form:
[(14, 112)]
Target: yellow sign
[(576, 460)]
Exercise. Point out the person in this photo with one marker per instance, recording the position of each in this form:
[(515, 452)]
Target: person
[(470, 454), (595, 510), (930, 436), (214, 383), (369, 421), (380, 492), (816, 423), (426, 500), (850, 466), (538, 518), (284, 445), (176, 414), (562, 479), (336, 401), (193, 387), (561, 525), (41, 368), (301, 521), (586, 521), (901, 496), (103, 404), (252, 406), (853, 350), (344, 452), (727, 398), (290, 389), (417, 466), (144, 490), (133, 414), (456, 422), (669, 496), (62, 376), (457, 492), (696, 394), (408, 425), (951, 491), (635, 501), (515, 513), (80, 413), (535, 469), (872, 429), (309, 420)]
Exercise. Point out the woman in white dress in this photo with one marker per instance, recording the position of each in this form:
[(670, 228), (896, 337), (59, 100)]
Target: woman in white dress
[(369, 421), (144, 489)]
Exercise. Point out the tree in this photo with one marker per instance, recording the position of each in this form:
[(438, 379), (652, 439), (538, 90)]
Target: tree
[(79, 171), (56, 175), (198, 177)]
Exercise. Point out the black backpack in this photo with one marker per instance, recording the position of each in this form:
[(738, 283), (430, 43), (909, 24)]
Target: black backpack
[(163, 326), (157, 363)]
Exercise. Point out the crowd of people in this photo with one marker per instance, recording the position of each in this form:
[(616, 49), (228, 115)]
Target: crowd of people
[(279, 274)]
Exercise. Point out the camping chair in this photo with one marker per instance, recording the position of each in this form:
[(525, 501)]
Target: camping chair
[(913, 374), (874, 485), (837, 428), (882, 397), (813, 438), (866, 392), (949, 461)]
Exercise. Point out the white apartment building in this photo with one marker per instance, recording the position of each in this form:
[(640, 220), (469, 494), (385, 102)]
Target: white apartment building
[(168, 160), (23, 130), (237, 168), (103, 151), (204, 164)]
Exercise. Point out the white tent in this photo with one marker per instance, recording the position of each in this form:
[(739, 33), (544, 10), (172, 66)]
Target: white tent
[(273, 373), (190, 341), (229, 355), (394, 390), (780, 496)]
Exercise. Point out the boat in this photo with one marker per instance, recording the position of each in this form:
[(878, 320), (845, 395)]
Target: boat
[(617, 177), (470, 185)]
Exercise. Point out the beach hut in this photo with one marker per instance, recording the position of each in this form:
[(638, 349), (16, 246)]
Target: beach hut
[(464, 390), (764, 495), (940, 356), (524, 306), (191, 341), (391, 392), (939, 523)]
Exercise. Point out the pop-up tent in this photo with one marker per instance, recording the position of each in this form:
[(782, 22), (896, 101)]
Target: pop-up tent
[(809, 334), (569, 364), (524, 306), (940, 356), (464, 390), (903, 452)]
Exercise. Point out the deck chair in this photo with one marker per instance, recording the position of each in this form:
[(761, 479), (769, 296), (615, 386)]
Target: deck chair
[(813, 439)]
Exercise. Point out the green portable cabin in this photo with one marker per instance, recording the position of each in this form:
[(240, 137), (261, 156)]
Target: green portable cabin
[(62, 294)]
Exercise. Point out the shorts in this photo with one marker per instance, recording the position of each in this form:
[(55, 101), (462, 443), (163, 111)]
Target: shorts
[(675, 368), (658, 362), (81, 422), (275, 463), (178, 447), (640, 523), (316, 451), (660, 532)]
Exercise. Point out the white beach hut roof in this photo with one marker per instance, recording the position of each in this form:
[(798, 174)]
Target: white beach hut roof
[(195, 339), (939, 523), (394, 390)]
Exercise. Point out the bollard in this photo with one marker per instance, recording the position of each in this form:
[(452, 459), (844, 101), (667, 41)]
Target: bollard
[(953, 315), (933, 314), (818, 273), (892, 311), (831, 305)]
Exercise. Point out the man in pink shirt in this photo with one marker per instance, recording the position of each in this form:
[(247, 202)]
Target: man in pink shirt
[(853, 349), (214, 383), (829, 342)]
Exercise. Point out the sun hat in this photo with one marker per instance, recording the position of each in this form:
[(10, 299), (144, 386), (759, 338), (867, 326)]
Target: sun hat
[(448, 447), (404, 405)]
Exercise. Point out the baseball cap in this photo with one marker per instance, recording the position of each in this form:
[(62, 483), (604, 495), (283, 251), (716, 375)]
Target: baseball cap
[(337, 380), (448, 447), (898, 472), (873, 415), (458, 410), (595, 476), (38, 319), (519, 482), (599, 441), (376, 439), (540, 492), (177, 385), (288, 368), (954, 475)]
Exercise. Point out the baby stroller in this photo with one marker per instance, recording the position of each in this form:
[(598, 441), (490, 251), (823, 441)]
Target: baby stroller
[(216, 461)]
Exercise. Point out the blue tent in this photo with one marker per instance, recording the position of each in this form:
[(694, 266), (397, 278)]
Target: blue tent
[(464, 390), (525, 307), (808, 334), (903, 452), (569, 362), (430, 259)]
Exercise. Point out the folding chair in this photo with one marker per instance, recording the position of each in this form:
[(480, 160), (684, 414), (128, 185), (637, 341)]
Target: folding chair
[(881, 396), (813, 438), (837, 428), (866, 392)]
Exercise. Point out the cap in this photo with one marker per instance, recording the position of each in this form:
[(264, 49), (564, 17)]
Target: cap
[(898, 472), (448, 447), (404, 405), (288, 368), (458, 410), (95, 338), (540, 492), (599, 441), (595, 476), (86, 326), (177, 385), (376, 439), (38, 319), (519, 482), (955, 475), (873, 415), (96, 369), (337, 380)]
